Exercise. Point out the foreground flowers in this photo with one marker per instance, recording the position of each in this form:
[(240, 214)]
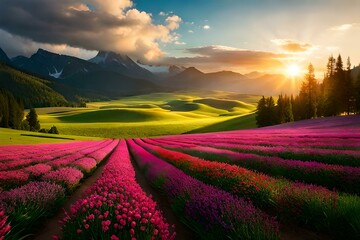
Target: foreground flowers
[(27, 204), (34, 180), (209, 211), (115, 207), (316, 207)]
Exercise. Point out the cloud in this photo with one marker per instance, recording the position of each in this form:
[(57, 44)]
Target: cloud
[(106, 25), (190, 31), (293, 46), (206, 27), (15, 45), (173, 22), (345, 27), (163, 14), (224, 57)]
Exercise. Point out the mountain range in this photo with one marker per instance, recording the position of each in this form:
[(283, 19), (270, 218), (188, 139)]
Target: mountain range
[(111, 75)]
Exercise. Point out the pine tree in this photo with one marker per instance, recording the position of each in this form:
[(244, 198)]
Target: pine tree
[(261, 112), (33, 121), (348, 94), (271, 116), (329, 89), (288, 111)]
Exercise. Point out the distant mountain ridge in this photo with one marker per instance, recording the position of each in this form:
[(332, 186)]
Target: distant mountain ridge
[(110, 74), (107, 74)]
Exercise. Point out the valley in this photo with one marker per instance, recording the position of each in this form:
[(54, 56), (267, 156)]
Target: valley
[(151, 115)]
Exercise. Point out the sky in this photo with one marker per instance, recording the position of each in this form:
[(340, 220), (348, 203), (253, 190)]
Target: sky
[(270, 36)]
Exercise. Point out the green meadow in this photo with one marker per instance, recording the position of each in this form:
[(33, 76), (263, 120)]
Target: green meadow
[(147, 116)]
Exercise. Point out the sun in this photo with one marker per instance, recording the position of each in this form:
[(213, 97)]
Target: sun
[(293, 70)]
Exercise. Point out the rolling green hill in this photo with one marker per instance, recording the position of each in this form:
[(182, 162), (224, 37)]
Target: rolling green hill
[(154, 115)]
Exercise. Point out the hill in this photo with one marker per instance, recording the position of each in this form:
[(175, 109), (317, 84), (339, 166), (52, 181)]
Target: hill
[(31, 90), (153, 114)]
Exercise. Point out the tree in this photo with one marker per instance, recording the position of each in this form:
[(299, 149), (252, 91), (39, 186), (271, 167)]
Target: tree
[(260, 117), (11, 110), (53, 130), (267, 112), (329, 89), (348, 90), (33, 121), (357, 93), (288, 111)]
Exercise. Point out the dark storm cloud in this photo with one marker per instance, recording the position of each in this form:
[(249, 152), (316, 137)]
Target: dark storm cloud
[(53, 21)]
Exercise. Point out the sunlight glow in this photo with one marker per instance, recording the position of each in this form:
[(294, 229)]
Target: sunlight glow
[(293, 70)]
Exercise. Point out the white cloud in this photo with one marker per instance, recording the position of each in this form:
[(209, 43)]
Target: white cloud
[(190, 31), (173, 22), (163, 14), (344, 27), (206, 27), (179, 43)]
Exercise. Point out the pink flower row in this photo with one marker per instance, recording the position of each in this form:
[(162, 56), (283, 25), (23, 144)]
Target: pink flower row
[(115, 206), (62, 156)]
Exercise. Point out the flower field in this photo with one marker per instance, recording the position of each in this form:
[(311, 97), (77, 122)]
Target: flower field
[(248, 184), (35, 180)]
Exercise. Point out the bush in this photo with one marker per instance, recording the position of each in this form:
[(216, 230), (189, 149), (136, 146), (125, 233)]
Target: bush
[(24, 125), (53, 130), (43, 130)]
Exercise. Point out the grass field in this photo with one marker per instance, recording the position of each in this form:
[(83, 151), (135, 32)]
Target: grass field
[(10, 137), (152, 115)]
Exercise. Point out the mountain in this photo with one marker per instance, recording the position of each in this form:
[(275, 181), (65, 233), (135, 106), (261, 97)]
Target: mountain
[(162, 71), (193, 79), (31, 90), (121, 64), (268, 84), (48, 64), (3, 57), (106, 75), (254, 74)]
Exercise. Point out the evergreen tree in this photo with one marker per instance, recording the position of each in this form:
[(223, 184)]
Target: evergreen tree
[(329, 89), (267, 112), (288, 111), (11, 110), (281, 109), (306, 102), (357, 94), (33, 121), (271, 112), (339, 87), (348, 90), (261, 113)]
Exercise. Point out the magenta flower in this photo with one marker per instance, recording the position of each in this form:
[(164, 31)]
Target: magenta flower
[(68, 176)]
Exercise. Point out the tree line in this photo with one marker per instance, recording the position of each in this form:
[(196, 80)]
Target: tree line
[(338, 93), (12, 115)]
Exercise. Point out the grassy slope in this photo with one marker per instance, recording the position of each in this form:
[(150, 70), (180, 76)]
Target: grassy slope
[(10, 136), (154, 115), (242, 122)]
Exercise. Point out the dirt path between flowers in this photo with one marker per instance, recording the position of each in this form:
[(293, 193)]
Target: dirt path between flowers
[(51, 226), (182, 231)]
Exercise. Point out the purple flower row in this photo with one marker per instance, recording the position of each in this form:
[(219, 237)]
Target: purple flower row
[(331, 176), (210, 211)]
